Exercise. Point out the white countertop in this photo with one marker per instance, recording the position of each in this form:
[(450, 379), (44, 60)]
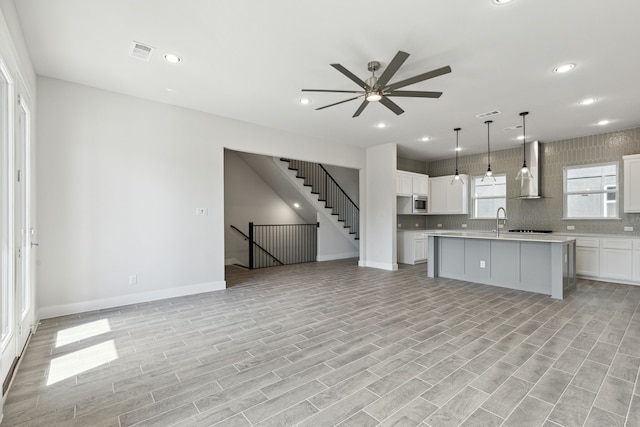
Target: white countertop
[(529, 237)]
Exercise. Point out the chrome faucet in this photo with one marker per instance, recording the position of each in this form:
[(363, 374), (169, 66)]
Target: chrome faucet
[(504, 219)]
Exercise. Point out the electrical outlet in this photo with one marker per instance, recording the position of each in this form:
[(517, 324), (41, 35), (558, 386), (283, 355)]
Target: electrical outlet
[(417, 225), (628, 229), (483, 264), (439, 225), (500, 225), (571, 227), (133, 279), (202, 211), (464, 225)]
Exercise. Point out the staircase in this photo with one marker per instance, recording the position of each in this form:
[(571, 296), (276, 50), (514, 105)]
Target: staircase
[(329, 192)]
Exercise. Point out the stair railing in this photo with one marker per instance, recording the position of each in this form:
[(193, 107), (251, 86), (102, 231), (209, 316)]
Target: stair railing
[(329, 191), (253, 246)]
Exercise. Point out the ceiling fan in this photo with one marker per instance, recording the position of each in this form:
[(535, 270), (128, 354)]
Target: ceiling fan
[(379, 89)]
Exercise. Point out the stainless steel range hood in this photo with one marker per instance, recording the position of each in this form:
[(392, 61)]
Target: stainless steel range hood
[(530, 188)]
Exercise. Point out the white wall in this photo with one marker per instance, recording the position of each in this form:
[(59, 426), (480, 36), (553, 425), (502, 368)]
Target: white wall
[(380, 208), (332, 243), (247, 198), (119, 180)]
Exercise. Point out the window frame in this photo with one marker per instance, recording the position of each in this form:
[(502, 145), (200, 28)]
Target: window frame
[(607, 190), (474, 214)]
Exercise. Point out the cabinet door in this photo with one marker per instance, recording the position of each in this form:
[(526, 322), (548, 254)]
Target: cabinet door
[(457, 198), (588, 261), (438, 195), (616, 264), (404, 184), (636, 266), (631, 184), (420, 185), (420, 249)]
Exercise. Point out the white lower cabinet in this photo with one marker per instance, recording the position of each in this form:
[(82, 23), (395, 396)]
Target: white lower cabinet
[(616, 259), (412, 247), (636, 260), (588, 257)]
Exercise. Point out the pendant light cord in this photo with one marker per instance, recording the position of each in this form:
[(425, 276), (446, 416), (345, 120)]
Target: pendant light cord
[(457, 132), (488, 122), (524, 139)]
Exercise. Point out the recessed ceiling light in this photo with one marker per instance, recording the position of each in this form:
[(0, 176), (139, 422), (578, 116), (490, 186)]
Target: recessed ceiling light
[(588, 101), (424, 139), (521, 137), (172, 58), (381, 125), (564, 68), (501, 1), (458, 149), (296, 205), (603, 122), (305, 101)]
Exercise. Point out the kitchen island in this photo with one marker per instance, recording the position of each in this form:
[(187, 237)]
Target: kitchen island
[(536, 263)]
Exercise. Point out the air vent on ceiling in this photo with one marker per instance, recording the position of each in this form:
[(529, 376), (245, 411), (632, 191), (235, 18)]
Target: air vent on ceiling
[(513, 127), (488, 114), (141, 51)]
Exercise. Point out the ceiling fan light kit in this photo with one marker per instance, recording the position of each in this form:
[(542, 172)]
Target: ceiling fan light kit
[(378, 88)]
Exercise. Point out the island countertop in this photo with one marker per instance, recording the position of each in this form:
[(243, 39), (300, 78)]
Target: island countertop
[(524, 237)]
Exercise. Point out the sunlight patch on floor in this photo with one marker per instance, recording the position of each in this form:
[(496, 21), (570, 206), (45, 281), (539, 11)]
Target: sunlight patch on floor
[(86, 330), (80, 361)]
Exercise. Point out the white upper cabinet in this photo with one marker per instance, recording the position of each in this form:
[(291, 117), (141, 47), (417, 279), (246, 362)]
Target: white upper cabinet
[(632, 183), (420, 185), (409, 183), (446, 198)]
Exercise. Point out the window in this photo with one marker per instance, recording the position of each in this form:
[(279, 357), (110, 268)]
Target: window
[(488, 195), (591, 191)]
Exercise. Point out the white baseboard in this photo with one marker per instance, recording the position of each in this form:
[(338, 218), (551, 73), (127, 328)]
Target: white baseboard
[(100, 304), (330, 257), (380, 265)]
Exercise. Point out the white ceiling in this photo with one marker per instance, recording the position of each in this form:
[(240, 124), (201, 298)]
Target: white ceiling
[(248, 60)]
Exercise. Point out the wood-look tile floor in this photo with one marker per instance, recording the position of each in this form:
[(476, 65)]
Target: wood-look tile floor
[(326, 344)]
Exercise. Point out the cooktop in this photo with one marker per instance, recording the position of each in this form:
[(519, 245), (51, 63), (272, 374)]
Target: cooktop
[(524, 230)]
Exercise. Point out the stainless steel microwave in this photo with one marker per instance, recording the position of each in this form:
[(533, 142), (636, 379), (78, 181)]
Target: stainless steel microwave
[(419, 204)]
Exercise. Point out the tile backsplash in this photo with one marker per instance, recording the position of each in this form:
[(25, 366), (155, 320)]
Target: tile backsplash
[(546, 213)]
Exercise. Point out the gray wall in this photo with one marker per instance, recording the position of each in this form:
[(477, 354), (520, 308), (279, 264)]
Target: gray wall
[(546, 213)]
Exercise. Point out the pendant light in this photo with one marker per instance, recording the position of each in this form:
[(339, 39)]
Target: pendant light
[(457, 179), (525, 173), (488, 173)]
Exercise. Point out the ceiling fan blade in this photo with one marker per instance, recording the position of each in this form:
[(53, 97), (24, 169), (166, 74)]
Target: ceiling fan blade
[(419, 78), (360, 108), (351, 76), (413, 93), (391, 105), (330, 90), (340, 102), (392, 68)]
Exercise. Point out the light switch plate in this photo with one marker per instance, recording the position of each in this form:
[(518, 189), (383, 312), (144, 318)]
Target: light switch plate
[(464, 225), (571, 227), (628, 229)]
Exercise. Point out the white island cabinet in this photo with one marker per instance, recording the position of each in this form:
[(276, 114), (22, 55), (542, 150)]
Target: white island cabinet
[(446, 198), (542, 264), (631, 183)]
